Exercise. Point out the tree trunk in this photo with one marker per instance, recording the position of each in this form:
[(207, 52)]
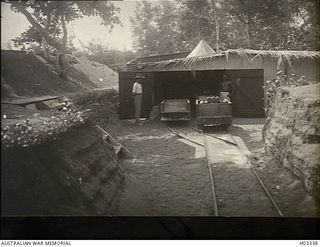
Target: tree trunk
[(36, 25), (217, 25), (65, 33), (44, 48), (48, 20), (249, 32), (60, 60)]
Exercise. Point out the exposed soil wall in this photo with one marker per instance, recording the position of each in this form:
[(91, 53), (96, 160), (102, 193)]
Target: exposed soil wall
[(292, 133), (76, 174), (73, 172)]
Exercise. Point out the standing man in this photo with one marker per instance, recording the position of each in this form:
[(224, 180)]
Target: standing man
[(226, 88), (137, 95)]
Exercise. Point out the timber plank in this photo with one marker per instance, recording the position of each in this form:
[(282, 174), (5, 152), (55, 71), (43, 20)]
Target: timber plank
[(27, 101)]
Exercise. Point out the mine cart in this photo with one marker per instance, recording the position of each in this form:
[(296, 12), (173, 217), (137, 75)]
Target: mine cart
[(175, 110), (213, 111)]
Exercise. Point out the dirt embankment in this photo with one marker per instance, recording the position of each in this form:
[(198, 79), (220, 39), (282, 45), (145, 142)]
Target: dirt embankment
[(292, 132), (72, 172), (65, 176), (54, 160), (91, 74), (26, 74), (286, 189)]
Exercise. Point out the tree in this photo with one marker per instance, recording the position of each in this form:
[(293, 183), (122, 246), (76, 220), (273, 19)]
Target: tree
[(227, 24), (197, 21), (6, 46), (49, 19), (95, 51), (259, 18), (49, 22), (155, 28), (144, 28), (274, 24), (303, 31), (171, 27), (217, 22), (168, 30)]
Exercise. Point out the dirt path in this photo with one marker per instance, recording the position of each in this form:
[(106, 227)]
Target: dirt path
[(176, 181), (174, 176), (237, 189)]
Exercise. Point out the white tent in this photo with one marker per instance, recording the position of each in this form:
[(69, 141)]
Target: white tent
[(202, 49)]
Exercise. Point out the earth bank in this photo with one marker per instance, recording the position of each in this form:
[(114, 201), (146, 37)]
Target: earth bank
[(68, 172), (292, 132)]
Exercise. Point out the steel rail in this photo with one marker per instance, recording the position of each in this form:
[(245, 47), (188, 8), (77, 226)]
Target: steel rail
[(219, 138), (216, 210), (253, 169), (265, 189), (215, 204), (184, 137), (213, 189)]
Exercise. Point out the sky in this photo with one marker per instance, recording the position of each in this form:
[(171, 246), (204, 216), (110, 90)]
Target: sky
[(85, 29)]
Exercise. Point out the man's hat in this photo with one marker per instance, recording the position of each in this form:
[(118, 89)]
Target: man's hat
[(140, 76)]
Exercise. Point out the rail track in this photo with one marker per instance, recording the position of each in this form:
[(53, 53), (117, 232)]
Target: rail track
[(275, 207)]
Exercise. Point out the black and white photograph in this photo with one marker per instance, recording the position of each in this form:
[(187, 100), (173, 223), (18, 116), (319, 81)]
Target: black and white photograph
[(165, 110)]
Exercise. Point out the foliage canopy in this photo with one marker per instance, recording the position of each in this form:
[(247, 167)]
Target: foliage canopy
[(171, 26), (49, 19)]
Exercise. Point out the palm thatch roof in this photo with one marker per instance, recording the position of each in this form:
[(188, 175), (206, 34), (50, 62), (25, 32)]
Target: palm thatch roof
[(277, 54), (159, 57), (247, 54)]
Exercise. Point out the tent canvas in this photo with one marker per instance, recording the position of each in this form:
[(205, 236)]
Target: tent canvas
[(202, 49)]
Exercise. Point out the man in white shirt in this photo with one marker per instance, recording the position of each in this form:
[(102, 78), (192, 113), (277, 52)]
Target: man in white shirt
[(138, 96)]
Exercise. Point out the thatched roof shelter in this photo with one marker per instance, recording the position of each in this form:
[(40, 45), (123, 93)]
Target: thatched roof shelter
[(188, 77), (157, 58), (291, 62)]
